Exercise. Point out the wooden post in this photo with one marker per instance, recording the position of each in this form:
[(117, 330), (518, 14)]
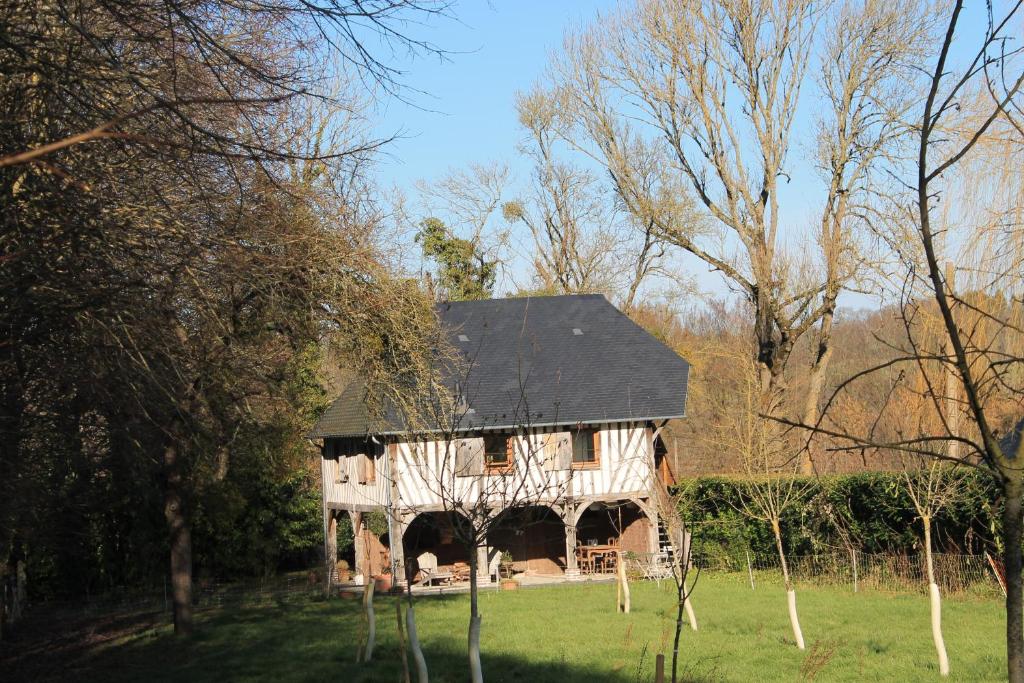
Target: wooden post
[(659, 669), (330, 549), (403, 651), (360, 546), (483, 570), (364, 652), (997, 570), (853, 561), (396, 528), (750, 570), (623, 592)]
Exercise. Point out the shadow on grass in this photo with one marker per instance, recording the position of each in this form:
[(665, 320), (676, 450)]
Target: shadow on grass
[(297, 641)]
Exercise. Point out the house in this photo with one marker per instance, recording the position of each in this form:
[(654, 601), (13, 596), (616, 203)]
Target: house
[(564, 395)]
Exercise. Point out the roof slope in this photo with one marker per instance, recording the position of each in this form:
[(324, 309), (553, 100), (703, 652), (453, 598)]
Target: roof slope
[(541, 361)]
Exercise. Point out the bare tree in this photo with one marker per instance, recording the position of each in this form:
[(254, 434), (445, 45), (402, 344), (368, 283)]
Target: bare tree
[(692, 104), (571, 225), (476, 472), (668, 508), (968, 146), (150, 152), (767, 455), (467, 201)]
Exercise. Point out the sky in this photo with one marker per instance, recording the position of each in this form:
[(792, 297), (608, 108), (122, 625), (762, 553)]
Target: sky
[(466, 111), (460, 109)]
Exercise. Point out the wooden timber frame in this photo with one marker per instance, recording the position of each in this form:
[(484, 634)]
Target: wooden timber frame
[(569, 509)]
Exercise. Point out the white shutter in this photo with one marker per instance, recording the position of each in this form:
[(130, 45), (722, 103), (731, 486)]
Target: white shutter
[(558, 451)]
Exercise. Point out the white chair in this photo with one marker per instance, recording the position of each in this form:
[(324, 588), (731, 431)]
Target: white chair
[(494, 567), (429, 571), (659, 567)]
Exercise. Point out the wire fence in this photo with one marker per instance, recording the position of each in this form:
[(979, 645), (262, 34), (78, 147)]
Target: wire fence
[(955, 574), (206, 594), (863, 571)]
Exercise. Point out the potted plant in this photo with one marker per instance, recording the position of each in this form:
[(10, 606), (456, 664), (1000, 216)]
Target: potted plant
[(507, 582), (343, 571), (383, 582)]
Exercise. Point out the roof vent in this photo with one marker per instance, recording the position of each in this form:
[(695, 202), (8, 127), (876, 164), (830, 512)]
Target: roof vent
[(577, 331), (463, 338)]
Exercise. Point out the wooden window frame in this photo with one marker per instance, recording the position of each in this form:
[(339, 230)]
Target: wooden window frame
[(510, 454), (595, 436)]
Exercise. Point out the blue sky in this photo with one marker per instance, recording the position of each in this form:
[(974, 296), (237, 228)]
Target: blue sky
[(464, 112), (467, 114)]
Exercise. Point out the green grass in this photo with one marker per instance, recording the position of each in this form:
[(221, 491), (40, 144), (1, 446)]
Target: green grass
[(572, 633)]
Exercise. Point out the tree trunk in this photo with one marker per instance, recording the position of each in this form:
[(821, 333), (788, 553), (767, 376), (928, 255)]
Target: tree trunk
[(935, 599), (624, 601), (680, 601), (180, 540), (794, 618), (815, 383), (475, 669), (1014, 594)]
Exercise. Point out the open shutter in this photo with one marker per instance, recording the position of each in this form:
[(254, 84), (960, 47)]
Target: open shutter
[(558, 451), (469, 457), (361, 468), (546, 442), (597, 445), (341, 454)]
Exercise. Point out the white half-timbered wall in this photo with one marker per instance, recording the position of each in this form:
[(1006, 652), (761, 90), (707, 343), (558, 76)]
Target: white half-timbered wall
[(424, 468)]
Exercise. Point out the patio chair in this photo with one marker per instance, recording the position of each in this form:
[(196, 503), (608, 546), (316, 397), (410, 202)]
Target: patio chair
[(658, 568), (429, 571), (584, 561), (494, 567)]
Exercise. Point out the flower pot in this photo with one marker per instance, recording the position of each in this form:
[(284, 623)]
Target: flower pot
[(382, 583), (344, 575), (509, 585)]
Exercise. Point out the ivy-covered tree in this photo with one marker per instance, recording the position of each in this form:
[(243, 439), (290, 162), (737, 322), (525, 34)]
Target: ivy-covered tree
[(464, 271)]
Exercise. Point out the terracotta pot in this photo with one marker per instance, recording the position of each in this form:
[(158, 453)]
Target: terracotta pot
[(382, 583), (348, 595), (509, 585)]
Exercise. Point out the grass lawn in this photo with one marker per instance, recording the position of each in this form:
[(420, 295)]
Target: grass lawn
[(572, 633)]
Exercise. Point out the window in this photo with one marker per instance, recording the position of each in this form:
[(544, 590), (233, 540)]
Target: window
[(334, 449), (498, 450), (586, 448)]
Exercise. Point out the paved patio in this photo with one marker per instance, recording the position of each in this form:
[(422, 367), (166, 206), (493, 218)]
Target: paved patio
[(525, 580)]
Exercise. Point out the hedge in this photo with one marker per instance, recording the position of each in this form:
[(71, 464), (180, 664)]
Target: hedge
[(869, 512)]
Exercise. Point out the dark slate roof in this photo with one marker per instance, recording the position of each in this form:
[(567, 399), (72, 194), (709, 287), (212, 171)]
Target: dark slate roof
[(543, 361)]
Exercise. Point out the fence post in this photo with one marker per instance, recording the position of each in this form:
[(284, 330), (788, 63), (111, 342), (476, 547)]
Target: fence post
[(750, 570), (853, 559), (659, 669)]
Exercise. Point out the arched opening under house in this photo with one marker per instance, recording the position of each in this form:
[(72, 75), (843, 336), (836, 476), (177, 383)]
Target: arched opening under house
[(535, 538)]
